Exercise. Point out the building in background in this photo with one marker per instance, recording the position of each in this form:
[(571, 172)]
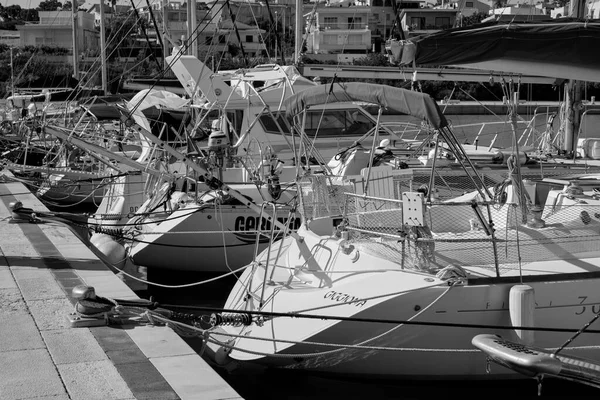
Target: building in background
[(109, 11), (519, 13), (339, 31), (215, 30), (467, 8), (10, 38), (418, 19), (344, 30), (55, 29)]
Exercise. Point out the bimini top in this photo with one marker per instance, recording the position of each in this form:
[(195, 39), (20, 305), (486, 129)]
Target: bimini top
[(566, 48), (392, 98)]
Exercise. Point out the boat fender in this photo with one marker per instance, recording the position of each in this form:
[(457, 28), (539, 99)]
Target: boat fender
[(178, 200), (452, 273), (274, 187), (522, 309), (350, 250), (222, 356), (114, 253)]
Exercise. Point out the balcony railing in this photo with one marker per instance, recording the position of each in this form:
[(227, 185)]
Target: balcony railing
[(357, 26)]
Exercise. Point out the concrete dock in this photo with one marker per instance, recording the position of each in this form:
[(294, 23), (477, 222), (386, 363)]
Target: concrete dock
[(43, 357)]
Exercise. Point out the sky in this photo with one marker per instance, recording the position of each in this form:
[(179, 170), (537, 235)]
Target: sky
[(22, 3), (35, 3)]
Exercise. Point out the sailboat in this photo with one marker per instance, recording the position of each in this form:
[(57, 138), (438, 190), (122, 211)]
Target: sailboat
[(209, 224), (398, 285)]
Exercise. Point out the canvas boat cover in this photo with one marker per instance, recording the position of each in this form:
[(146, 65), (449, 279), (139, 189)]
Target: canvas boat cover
[(566, 48), (394, 99)]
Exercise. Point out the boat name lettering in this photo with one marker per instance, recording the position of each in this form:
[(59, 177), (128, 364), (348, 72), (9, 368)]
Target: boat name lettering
[(594, 308), (251, 223), (344, 298)]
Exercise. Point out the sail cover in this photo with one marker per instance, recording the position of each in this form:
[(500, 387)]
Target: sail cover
[(394, 99), (567, 48)]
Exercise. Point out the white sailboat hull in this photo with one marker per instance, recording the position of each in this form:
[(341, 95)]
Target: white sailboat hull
[(368, 288), (205, 239), (65, 189)]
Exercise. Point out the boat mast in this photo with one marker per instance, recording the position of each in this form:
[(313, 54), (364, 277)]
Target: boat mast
[(165, 44), (103, 49), (12, 73), (74, 10), (158, 34), (573, 94), (191, 28), (298, 35)]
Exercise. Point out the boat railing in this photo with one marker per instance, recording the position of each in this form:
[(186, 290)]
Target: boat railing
[(493, 237), (485, 134), (461, 233), (322, 196), (387, 182)]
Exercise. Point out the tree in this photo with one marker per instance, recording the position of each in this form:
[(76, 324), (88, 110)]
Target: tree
[(373, 60), (49, 5), (29, 15), (12, 12), (120, 30), (32, 65), (473, 19)]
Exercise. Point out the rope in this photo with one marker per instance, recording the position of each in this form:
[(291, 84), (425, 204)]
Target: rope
[(156, 317)]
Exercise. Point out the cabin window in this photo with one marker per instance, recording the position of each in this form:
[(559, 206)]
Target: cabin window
[(235, 118), (337, 122), (249, 38), (469, 4), (268, 123), (208, 40), (350, 122)]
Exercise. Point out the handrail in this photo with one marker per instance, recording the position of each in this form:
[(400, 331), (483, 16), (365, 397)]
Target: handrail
[(258, 234)]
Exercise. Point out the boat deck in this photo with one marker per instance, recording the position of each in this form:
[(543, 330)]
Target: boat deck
[(43, 356)]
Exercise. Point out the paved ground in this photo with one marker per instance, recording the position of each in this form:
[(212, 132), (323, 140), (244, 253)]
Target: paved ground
[(43, 357)]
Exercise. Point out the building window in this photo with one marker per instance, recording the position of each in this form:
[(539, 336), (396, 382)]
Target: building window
[(469, 4), (249, 38), (417, 23), (330, 22), (329, 39), (208, 40), (354, 39), (222, 39), (442, 22), (354, 22)]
